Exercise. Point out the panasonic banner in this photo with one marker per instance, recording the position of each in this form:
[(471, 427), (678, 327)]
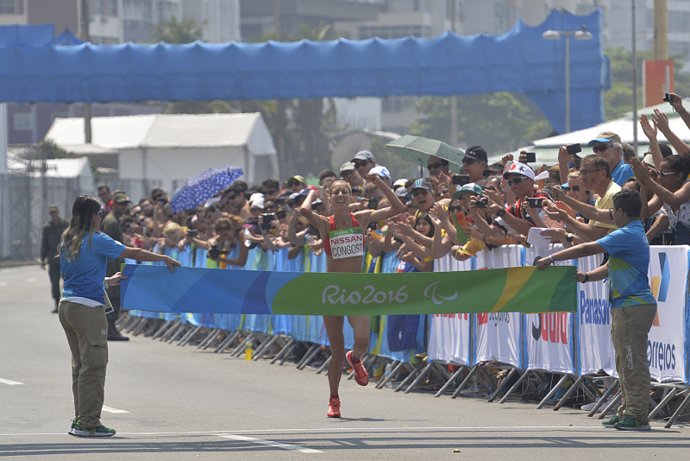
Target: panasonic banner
[(594, 322), (449, 335), (668, 278), (497, 334), (549, 336)]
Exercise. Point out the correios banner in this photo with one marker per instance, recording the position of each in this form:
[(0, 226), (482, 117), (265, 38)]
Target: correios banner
[(521, 289)]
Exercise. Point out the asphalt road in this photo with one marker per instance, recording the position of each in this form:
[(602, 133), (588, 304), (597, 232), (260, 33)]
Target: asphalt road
[(174, 403)]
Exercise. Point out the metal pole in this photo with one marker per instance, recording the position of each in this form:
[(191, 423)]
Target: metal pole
[(567, 82), (4, 133), (453, 98), (634, 77), (84, 18)]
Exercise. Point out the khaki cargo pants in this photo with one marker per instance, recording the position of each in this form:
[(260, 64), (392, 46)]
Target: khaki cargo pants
[(629, 331), (87, 331)]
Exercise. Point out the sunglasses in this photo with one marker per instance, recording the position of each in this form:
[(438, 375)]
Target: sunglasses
[(667, 173), (515, 181), (434, 166), (359, 163), (601, 147), (418, 192), (575, 189), (468, 161)]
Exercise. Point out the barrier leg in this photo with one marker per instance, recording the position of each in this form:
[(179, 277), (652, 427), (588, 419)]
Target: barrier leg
[(261, 351), (171, 332), (410, 377), (615, 401), (465, 381), (286, 348), (226, 342), (450, 380), (514, 387), (189, 336), (567, 394), (553, 391), (603, 398), (236, 352), (419, 377), (498, 390), (159, 332), (181, 332), (140, 327), (671, 393), (311, 353), (678, 411), (396, 365), (324, 366), (213, 334)]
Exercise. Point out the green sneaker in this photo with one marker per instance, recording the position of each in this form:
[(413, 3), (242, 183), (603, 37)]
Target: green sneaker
[(628, 423), (99, 431), (612, 421), (71, 428)]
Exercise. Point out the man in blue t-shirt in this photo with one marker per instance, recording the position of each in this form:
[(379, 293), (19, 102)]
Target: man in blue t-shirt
[(633, 306), (608, 145)]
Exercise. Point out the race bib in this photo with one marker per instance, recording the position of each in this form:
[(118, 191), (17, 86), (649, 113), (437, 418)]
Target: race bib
[(346, 243)]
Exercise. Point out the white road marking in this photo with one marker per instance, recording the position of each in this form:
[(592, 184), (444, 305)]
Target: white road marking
[(271, 444), (116, 411), (10, 382)]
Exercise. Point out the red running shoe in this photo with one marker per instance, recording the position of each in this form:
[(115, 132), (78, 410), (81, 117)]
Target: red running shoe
[(333, 408), (361, 375)]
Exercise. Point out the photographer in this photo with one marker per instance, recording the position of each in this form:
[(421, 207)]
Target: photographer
[(226, 246)]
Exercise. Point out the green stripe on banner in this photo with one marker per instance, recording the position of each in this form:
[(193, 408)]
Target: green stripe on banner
[(521, 289)]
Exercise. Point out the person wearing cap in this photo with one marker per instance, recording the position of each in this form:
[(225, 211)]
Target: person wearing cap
[(608, 145), (633, 307), (596, 177), (50, 239), (422, 195), (474, 163), (461, 243), (111, 227), (363, 161), (326, 178), (296, 183), (343, 234), (520, 216), (383, 173)]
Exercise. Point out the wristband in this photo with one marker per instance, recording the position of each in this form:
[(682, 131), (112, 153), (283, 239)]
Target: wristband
[(611, 213), (586, 279)]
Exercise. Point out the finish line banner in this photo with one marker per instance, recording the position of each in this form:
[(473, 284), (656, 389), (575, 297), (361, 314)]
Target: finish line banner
[(194, 290)]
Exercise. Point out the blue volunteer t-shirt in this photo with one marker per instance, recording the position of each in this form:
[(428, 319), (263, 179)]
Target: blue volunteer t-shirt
[(84, 276), (622, 173), (628, 251)]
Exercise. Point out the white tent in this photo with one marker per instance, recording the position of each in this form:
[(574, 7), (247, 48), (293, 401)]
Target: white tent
[(547, 148), (171, 148)]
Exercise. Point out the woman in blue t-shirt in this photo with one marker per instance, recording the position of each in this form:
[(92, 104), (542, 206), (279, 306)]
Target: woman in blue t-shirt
[(84, 252)]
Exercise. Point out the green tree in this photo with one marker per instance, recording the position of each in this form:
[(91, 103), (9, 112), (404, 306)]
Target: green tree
[(176, 31)]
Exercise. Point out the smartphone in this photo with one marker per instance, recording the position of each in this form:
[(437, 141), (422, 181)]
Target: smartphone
[(530, 157), (667, 97), (534, 202), (192, 232), (573, 148), (461, 179)]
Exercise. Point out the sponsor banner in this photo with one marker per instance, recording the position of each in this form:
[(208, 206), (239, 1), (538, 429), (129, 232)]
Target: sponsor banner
[(449, 335), (668, 275), (594, 322), (549, 336), (518, 289), (497, 334)]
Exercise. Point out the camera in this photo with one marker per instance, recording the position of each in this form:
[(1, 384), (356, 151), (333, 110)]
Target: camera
[(482, 202), (534, 202), (461, 179), (667, 97), (573, 148), (266, 220), (529, 157), (373, 204), (214, 252), (192, 232)]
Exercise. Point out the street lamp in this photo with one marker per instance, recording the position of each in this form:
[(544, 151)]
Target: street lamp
[(580, 34)]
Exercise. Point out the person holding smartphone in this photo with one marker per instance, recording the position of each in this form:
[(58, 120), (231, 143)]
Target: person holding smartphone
[(84, 253)]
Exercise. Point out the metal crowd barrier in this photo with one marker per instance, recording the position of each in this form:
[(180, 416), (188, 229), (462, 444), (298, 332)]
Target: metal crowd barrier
[(497, 354)]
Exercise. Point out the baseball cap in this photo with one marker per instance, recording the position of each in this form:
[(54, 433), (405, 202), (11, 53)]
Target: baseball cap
[(347, 166), (476, 153), (381, 171), (401, 192), (296, 179), (399, 183), (363, 155), (649, 160), (53, 208), (605, 136), (521, 169), (121, 199), (421, 184), (469, 188)]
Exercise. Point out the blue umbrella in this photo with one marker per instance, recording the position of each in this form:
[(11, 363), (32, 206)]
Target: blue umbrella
[(202, 187)]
